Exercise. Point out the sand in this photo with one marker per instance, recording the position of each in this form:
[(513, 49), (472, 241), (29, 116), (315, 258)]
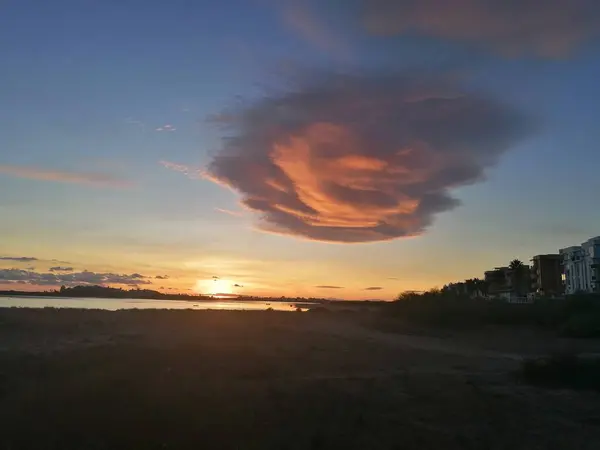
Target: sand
[(72, 379)]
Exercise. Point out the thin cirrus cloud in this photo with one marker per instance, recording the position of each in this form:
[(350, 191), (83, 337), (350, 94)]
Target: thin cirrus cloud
[(545, 28), (373, 288), (229, 212), (137, 123), (361, 157), (18, 276), (182, 168), (42, 174), (329, 287)]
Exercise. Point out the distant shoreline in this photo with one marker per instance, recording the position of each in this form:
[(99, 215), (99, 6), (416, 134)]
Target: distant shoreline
[(203, 299), (277, 304), (146, 294), (116, 304)]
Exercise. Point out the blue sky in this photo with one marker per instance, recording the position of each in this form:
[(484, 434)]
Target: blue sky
[(87, 84)]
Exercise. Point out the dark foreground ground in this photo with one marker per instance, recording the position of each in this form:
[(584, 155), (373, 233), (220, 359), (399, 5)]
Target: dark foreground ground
[(265, 380)]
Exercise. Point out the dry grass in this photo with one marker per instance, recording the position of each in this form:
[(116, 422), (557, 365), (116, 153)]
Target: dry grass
[(255, 380)]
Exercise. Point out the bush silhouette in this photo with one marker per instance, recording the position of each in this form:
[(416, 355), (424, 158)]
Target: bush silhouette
[(576, 316), (562, 371)]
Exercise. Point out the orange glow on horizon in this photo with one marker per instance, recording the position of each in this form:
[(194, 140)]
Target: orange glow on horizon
[(214, 287)]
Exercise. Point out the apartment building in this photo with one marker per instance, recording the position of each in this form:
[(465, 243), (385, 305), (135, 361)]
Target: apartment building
[(508, 284), (581, 267), (546, 275), (592, 248)]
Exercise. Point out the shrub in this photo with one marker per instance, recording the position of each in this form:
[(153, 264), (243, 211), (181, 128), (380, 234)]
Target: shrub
[(582, 325), (576, 316), (562, 371)]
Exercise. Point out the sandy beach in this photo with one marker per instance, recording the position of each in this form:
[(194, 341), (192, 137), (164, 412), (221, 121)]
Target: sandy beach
[(73, 379)]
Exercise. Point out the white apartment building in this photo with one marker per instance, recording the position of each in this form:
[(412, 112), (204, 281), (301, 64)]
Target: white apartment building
[(581, 267)]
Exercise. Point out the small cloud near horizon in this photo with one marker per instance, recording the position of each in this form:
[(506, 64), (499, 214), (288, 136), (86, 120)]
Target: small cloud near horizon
[(18, 276), (82, 178), (162, 277), (329, 287), (61, 269), (18, 258), (373, 288)]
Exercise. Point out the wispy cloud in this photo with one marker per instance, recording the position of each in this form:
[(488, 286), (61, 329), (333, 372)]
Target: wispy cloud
[(300, 18), (162, 277), (363, 157), (329, 287), (18, 258), (230, 212), (186, 170), (91, 179), (540, 28), (166, 127), (373, 288), (137, 123), (547, 28)]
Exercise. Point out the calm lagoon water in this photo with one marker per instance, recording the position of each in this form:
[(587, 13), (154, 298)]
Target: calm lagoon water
[(113, 304)]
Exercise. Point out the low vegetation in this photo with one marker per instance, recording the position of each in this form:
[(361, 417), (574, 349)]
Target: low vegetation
[(576, 316), (562, 371)]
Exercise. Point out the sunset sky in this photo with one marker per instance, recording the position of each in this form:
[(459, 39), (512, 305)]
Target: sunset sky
[(347, 149)]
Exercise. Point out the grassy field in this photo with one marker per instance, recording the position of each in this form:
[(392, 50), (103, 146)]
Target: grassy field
[(72, 379)]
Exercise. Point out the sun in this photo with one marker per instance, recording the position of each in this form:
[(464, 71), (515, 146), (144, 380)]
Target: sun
[(213, 287)]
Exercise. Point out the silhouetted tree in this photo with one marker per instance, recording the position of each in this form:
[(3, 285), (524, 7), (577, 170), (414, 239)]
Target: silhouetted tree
[(518, 271), (482, 286), (516, 264)]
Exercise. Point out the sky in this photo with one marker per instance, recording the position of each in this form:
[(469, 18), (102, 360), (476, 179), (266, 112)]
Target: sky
[(341, 149)]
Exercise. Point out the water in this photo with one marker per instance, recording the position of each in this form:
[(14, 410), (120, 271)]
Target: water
[(113, 304)]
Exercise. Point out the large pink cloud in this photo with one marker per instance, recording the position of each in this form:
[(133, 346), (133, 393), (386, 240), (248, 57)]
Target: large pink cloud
[(548, 28), (360, 158)]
